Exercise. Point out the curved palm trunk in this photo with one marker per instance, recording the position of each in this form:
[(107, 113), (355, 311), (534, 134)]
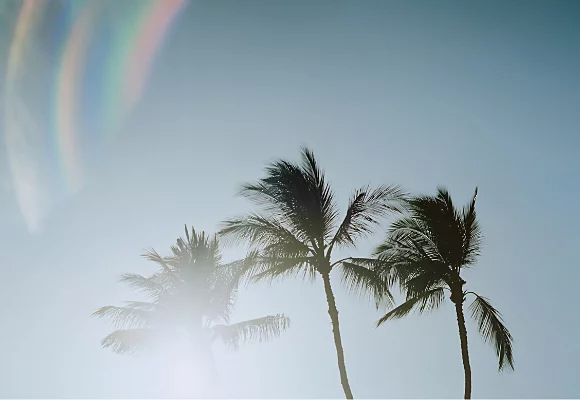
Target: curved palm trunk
[(333, 312), (464, 350)]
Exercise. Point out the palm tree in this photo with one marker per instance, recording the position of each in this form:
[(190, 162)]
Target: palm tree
[(192, 295), (426, 253), (298, 229)]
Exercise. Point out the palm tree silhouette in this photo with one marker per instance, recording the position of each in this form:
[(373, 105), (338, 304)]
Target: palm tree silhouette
[(193, 295), (426, 253), (298, 229)]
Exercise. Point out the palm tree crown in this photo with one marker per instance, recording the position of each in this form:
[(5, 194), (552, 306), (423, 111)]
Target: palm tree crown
[(192, 293), (298, 227), (426, 252)]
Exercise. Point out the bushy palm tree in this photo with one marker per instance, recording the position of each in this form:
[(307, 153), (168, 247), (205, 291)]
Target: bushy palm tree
[(298, 228), (192, 295), (426, 253)]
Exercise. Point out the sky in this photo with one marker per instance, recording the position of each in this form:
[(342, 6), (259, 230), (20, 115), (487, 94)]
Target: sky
[(417, 93)]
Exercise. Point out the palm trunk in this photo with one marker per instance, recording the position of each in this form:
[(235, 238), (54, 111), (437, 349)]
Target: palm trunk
[(333, 312), (464, 350)]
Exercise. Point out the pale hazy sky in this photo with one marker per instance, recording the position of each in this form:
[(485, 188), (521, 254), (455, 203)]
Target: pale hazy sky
[(420, 93)]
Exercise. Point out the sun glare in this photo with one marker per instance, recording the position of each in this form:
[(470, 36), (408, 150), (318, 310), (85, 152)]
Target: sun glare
[(184, 375)]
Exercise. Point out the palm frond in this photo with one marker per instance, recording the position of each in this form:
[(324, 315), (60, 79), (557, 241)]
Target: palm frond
[(197, 248), (238, 272), (131, 341), (169, 276), (142, 305), (130, 316), (255, 330), (224, 286), (362, 281), (411, 234), (261, 231), (150, 286), (422, 276), (491, 326), (427, 301), (472, 236), (298, 196), (279, 250), (220, 307), (418, 249), (152, 255), (323, 195), (273, 268), (433, 300), (440, 217), (394, 269), (400, 260), (376, 264), (366, 210)]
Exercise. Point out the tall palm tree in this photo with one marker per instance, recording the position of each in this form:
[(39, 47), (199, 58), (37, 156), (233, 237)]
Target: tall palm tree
[(298, 228), (426, 253), (191, 295)]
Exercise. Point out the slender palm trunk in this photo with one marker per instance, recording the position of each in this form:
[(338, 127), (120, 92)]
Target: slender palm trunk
[(464, 350), (333, 312)]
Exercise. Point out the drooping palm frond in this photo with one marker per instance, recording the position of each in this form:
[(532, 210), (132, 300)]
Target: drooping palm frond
[(362, 281), (375, 264), (427, 301), (276, 251), (260, 231), (411, 235), (492, 329), (422, 276), (131, 341), (273, 268), (401, 261), (433, 300), (255, 330), (130, 316), (389, 270)]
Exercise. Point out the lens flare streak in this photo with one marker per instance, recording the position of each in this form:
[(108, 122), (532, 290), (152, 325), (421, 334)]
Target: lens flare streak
[(134, 41), (23, 170), (70, 76)]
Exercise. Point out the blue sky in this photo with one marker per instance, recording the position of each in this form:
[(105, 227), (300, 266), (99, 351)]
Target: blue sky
[(419, 93)]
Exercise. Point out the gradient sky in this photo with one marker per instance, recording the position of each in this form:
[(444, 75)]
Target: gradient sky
[(421, 93)]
